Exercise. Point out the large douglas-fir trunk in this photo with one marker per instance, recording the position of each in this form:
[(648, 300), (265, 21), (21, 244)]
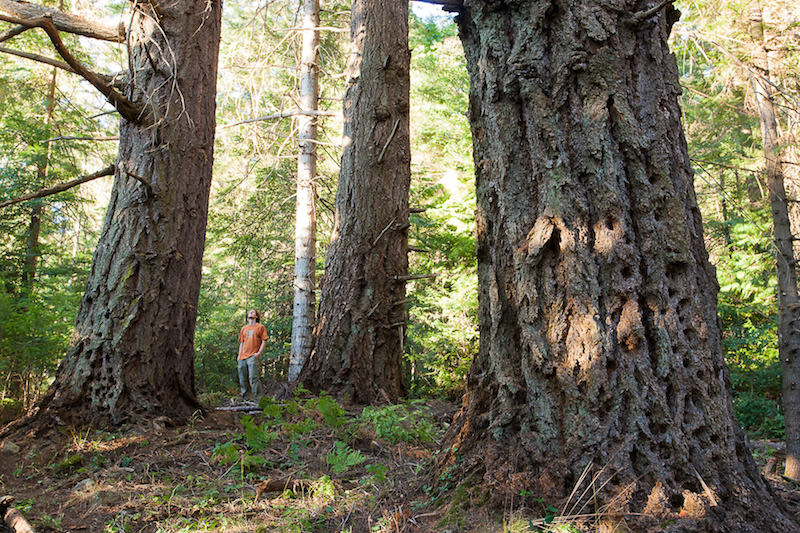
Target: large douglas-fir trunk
[(361, 319), (132, 350), (600, 343)]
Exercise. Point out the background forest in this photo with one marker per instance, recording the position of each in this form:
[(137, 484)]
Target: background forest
[(54, 129)]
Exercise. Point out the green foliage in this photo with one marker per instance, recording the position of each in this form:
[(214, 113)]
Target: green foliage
[(761, 417), (257, 437), (330, 410), (442, 329), (323, 489), (378, 473), (401, 423), (229, 453), (342, 457), (299, 429), (271, 409), (226, 453)]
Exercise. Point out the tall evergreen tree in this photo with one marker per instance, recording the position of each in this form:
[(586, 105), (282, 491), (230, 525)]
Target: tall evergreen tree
[(361, 319), (305, 210), (788, 298), (132, 349), (600, 372)]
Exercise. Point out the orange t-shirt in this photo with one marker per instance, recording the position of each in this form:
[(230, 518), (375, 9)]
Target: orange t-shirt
[(251, 337)]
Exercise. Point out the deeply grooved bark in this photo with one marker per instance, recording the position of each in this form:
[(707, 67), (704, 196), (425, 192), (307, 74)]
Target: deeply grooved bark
[(132, 349), (358, 345), (600, 345)]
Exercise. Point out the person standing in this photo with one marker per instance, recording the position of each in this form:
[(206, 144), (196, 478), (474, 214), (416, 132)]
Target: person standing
[(252, 340)]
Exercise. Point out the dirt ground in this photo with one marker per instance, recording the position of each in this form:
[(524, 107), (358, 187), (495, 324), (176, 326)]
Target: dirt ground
[(299, 466), (207, 477)]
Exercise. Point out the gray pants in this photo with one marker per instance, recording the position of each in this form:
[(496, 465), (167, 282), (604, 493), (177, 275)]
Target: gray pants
[(250, 367)]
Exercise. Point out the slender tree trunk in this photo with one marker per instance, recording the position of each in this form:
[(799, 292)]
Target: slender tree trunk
[(788, 301), (361, 321), (132, 349), (305, 214), (32, 251), (600, 344)]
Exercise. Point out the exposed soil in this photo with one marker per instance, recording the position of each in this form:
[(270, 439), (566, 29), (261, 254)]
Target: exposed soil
[(170, 479)]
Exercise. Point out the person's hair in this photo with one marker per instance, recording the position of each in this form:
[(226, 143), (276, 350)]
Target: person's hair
[(258, 315)]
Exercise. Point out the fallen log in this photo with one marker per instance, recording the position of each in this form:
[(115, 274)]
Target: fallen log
[(280, 485), (14, 520)]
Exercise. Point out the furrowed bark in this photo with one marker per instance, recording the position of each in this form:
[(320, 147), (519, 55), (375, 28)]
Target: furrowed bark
[(360, 330), (132, 351), (600, 348)]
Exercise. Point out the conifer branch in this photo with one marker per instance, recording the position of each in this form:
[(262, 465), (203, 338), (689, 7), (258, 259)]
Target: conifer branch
[(13, 32), (126, 108), (108, 171)]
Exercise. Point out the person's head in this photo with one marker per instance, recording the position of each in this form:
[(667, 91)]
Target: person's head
[(254, 314)]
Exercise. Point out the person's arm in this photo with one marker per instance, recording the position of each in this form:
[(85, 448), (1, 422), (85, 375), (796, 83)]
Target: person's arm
[(241, 344), (261, 348)]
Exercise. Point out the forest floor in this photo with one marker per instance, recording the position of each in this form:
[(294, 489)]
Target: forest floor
[(297, 466)]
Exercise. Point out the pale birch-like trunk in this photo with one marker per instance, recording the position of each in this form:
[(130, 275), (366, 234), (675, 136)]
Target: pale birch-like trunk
[(305, 239)]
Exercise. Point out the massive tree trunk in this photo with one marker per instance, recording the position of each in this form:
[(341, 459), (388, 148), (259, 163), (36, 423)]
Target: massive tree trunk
[(132, 350), (600, 344), (788, 301), (361, 320), (305, 229)]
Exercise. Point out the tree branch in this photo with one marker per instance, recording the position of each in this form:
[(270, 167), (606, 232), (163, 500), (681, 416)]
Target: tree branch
[(13, 32), (126, 108), (447, 5), (284, 114), (108, 171), (12, 10), (36, 57), (641, 16), (72, 138)]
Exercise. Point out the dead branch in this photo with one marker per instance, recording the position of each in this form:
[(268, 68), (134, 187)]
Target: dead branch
[(125, 107), (447, 5), (38, 58), (142, 181), (241, 408), (318, 28), (108, 171), (73, 138), (284, 114), (418, 276), (641, 16), (384, 231), (417, 209), (391, 136), (280, 485), (12, 10), (13, 32)]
